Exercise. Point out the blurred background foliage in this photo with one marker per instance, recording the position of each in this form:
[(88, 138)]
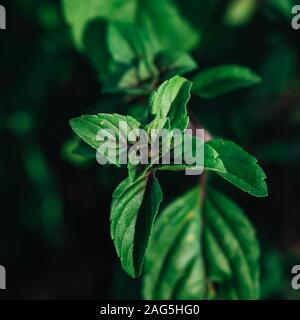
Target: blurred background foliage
[(54, 238)]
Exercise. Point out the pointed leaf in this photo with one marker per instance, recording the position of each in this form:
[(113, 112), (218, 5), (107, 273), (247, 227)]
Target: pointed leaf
[(220, 80), (88, 126), (209, 160), (242, 168), (133, 211), (211, 254), (169, 102)]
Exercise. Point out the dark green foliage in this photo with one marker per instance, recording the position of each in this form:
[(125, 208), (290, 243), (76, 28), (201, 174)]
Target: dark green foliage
[(202, 250), (174, 266), (203, 247), (220, 80), (137, 199), (242, 169), (124, 60), (133, 211)]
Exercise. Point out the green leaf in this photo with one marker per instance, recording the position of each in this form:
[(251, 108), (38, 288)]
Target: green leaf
[(133, 211), (173, 62), (77, 152), (88, 126), (174, 268), (166, 26), (79, 14), (282, 8), (133, 80), (160, 20), (133, 70), (223, 79), (88, 21), (169, 102), (127, 43), (211, 160), (202, 254), (96, 48), (242, 169), (231, 249), (139, 112)]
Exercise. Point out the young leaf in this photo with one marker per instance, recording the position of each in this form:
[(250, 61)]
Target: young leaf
[(126, 79), (200, 255), (220, 80), (169, 102), (87, 127), (174, 62), (127, 43), (174, 267), (136, 79), (211, 160), (133, 69), (133, 211), (242, 168)]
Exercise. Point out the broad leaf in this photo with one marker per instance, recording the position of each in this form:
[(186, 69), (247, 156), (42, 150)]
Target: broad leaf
[(220, 80), (133, 211), (79, 14), (231, 250), (202, 254), (169, 102), (242, 168), (174, 267), (165, 25), (173, 62)]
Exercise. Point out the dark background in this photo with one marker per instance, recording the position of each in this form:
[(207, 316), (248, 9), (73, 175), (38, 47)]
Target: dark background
[(54, 214)]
